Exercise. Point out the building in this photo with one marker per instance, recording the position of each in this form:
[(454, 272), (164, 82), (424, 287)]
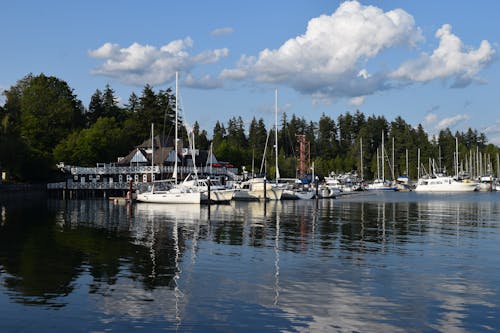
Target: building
[(145, 163)]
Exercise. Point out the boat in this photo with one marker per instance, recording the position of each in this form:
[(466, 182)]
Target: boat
[(215, 193), (344, 182), (444, 183), (259, 188), (171, 192), (487, 183), (381, 185), (253, 190), (441, 182), (295, 189)]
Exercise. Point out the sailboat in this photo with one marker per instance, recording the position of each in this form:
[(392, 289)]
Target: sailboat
[(259, 188), (172, 193), (293, 189), (381, 184)]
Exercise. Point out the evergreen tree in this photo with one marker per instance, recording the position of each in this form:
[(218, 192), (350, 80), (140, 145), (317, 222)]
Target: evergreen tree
[(219, 134), (96, 108)]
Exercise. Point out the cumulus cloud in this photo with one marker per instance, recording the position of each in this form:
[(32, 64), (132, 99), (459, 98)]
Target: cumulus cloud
[(431, 118), (450, 122), (222, 31), (325, 59), (334, 58), (494, 128), (450, 60), (493, 132), (357, 101), (145, 64), (434, 123), (330, 59)]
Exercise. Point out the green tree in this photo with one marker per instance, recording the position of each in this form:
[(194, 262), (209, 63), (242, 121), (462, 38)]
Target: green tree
[(200, 137), (49, 112), (257, 135), (101, 142), (327, 137), (96, 108), (236, 132), (219, 134)]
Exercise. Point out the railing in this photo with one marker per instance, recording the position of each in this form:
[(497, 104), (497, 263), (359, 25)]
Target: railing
[(89, 186), (124, 170)]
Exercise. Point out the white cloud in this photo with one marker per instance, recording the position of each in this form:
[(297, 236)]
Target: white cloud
[(364, 74), (107, 50), (434, 124), (494, 128), (222, 31), (325, 59), (145, 64), (493, 132), (431, 118), (357, 101), (451, 121), (450, 60)]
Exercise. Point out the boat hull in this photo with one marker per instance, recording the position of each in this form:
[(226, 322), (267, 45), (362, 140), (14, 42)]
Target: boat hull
[(170, 197), (218, 196), (445, 185), (249, 195)]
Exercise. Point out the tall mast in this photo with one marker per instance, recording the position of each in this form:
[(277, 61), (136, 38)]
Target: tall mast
[(418, 164), (498, 166), (383, 157), (174, 174), (152, 152), (361, 155), (393, 162), (407, 170), (276, 133)]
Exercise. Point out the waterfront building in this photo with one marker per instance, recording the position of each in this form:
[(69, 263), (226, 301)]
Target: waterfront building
[(137, 166)]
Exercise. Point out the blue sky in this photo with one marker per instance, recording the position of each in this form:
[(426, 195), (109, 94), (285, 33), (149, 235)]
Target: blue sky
[(430, 62)]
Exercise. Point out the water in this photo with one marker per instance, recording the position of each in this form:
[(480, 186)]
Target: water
[(394, 262)]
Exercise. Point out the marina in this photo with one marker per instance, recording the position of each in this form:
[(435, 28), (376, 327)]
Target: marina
[(368, 262)]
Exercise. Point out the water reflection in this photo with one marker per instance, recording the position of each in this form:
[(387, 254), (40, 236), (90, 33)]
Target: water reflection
[(394, 263)]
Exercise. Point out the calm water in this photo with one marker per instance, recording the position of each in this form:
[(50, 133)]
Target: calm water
[(397, 262)]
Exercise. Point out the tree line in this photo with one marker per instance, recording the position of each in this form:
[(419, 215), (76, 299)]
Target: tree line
[(42, 122)]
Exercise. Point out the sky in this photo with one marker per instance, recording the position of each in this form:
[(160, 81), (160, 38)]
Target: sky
[(433, 63)]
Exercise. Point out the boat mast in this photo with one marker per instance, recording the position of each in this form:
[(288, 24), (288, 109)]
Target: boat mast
[(152, 152), (378, 164), (456, 158), (361, 155), (276, 133), (174, 174), (498, 166), (407, 170), (418, 164), (383, 156), (393, 161)]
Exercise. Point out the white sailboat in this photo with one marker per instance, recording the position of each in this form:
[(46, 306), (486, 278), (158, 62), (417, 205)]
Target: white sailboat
[(218, 192), (259, 188), (381, 184), (172, 193)]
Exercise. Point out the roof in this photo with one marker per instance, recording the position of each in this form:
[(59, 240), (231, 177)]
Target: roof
[(141, 154)]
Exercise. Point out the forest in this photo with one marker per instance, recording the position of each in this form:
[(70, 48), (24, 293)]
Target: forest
[(42, 122)]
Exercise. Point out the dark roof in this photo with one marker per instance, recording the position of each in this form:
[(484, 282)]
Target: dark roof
[(160, 155), (158, 142), (162, 149)]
